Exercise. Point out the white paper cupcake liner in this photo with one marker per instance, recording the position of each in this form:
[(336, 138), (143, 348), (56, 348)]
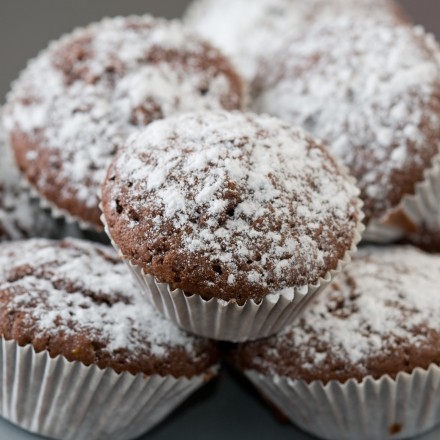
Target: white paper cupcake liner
[(382, 409), (226, 320), (67, 400), (422, 209), (380, 233)]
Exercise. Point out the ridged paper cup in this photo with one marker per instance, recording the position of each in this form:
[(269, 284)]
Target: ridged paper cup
[(423, 208), (70, 401), (377, 232), (381, 409), (419, 210), (226, 320)]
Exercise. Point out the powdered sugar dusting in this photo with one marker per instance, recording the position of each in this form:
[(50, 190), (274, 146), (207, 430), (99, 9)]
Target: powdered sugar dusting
[(248, 30), (83, 96), (246, 192), (75, 286), (370, 91), (19, 216), (387, 297)]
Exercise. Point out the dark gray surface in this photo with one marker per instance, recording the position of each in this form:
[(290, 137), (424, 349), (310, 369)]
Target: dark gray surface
[(228, 409)]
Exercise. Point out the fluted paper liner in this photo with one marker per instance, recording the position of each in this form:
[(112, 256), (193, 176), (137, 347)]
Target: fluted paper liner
[(67, 400), (422, 208), (380, 233), (226, 320), (381, 409)]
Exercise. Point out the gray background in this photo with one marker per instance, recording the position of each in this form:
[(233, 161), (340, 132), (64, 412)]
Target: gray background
[(27, 25), (228, 409)]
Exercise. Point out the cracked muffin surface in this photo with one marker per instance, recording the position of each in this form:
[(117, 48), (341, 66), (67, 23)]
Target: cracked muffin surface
[(229, 205), (77, 102), (77, 299)]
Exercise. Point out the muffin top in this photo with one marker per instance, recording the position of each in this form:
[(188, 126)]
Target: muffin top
[(247, 30), (230, 205), (77, 299), (76, 103), (372, 93), (19, 216), (378, 317)]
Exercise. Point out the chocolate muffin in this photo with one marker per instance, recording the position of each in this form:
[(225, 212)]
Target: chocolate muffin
[(372, 93), (76, 103), (374, 333), (76, 299), (230, 206), (249, 30), (376, 319), (20, 217), (72, 308)]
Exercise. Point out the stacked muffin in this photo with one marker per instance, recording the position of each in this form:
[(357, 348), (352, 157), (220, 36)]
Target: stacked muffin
[(76, 103), (233, 224), (231, 221)]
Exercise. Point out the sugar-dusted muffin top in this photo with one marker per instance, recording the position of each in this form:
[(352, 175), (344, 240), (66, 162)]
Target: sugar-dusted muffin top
[(230, 205), (378, 317), (76, 103), (77, 299), (20, 217), (248, 30), (372, 93)]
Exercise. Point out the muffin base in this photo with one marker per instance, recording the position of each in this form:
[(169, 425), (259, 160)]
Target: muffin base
[(58, 213), (68, 400), (226, 320), (421, 209), (374, 409)]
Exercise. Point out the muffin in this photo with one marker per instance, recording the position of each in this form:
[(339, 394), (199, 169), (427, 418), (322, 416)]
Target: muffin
[(372, 93), (77, 102), (363, 360), (20, 217), (83, 355), (249, 30), (230, 220)]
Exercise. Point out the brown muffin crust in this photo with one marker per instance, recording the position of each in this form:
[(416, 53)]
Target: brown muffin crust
[(76, 103), (378, 318), (77, 300), (229, 205), (371, 91)]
